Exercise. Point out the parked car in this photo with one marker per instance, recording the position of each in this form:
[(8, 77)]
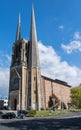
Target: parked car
[(8, 115), (1, 113)]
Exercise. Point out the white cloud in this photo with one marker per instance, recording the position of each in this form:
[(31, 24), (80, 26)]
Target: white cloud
[(4, 81), (74, 45), (53, 67), (4, 73), (77, 36), (61, 27), (8, 57), (5, 60)]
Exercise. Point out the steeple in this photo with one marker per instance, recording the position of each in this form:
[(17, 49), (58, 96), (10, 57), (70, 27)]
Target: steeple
[(33, 54), (34, 75), (18, 33)]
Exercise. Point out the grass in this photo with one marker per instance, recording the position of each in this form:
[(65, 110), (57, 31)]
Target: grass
[(46, 113), (75, 110)]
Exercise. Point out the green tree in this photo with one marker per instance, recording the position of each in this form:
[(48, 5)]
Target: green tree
[(76, 96)]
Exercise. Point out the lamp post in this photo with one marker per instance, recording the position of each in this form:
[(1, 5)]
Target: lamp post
[(19, 88)]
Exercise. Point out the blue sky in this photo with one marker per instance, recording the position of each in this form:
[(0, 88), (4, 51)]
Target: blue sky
[(58, 24)]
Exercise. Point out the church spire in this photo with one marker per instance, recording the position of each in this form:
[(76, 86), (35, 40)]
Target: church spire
[(34, 57), (18, 33)]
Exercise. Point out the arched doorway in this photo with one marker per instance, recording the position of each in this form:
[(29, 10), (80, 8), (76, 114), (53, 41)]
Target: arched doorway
[(15, 104), (53, 102)]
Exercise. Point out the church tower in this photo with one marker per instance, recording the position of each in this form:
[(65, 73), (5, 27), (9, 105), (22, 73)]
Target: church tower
[(18, 72), (25, 77), (34, 76)]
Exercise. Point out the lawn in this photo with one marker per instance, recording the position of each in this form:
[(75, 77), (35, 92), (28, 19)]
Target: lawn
[(45, 113)]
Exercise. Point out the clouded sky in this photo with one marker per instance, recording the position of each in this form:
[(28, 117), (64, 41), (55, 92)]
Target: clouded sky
[(58, 25)]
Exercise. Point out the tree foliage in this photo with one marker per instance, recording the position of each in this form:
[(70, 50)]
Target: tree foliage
[(76, 96)]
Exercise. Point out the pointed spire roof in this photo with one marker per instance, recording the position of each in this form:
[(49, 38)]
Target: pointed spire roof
[(33, 33), (33, 52), (18, 33)]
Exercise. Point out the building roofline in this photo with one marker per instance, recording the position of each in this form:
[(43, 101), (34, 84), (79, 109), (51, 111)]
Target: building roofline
[(57, 81)]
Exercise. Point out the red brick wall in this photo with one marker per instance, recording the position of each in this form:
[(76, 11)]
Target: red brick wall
[(48, 91), (62, 92)]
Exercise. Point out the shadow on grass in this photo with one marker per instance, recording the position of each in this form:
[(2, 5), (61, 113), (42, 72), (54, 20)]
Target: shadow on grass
[(43, 124)]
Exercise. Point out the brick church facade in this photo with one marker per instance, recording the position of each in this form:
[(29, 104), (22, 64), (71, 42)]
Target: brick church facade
[(28, 89)]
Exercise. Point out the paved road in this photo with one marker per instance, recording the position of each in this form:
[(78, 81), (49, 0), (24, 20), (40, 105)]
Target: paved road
[(71, 121)]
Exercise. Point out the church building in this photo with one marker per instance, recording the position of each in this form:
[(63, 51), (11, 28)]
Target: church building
[(28, 89)]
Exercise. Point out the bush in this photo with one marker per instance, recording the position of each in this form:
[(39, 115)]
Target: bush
[(42, 109), (32, 113)]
